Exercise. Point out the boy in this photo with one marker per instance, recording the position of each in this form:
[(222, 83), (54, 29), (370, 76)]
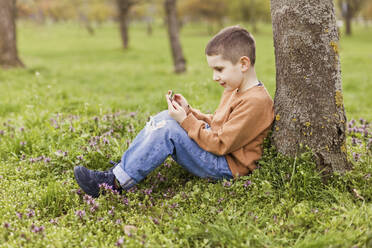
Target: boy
[(223, 145)]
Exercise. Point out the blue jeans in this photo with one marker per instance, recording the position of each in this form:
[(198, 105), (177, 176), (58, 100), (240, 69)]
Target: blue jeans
[(161, 137)]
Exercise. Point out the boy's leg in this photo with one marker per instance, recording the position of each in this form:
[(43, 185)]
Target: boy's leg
[(161, 137)]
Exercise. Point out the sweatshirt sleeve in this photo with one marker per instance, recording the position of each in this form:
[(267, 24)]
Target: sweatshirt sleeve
[(247, 120), (201, 116)]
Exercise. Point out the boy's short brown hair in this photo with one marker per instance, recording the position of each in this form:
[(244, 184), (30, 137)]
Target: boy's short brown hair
[(232, 43)]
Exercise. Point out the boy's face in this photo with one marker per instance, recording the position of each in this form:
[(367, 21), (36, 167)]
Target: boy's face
[(225, 73)]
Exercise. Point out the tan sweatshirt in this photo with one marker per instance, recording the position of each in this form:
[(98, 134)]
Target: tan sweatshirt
[(238, 127)]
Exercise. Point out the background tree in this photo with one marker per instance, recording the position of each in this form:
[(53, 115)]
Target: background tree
[(308, 101), (147, 13), (211, 12), (8, 42), (349, 9), (251, 11), (173, 33), (123, 17), (367, 11)]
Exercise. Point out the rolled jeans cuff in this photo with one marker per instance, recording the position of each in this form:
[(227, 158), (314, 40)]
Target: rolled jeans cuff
[(126, 182)]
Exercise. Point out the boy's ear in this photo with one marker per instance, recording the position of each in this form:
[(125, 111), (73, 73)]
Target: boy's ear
[(245, 63)]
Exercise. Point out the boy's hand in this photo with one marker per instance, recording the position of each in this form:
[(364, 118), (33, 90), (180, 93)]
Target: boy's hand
[(182, 102), (175, 110)]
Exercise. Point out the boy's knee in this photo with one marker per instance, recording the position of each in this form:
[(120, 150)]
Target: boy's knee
[(163, 115)]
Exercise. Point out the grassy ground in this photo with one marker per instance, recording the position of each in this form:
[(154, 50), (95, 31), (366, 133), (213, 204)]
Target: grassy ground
[(81, 100)]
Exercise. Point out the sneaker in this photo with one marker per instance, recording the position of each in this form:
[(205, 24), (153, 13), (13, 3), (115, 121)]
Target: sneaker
[(89, 180)]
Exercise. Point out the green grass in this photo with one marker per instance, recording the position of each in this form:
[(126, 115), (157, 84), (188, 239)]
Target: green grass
[(78, 87)]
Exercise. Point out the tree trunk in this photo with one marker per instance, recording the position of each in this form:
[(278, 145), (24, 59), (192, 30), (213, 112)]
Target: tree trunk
[(85, 21), (308, 100), (123, 9), (173, 32), (8, 42), (348, 24), (149, 27)]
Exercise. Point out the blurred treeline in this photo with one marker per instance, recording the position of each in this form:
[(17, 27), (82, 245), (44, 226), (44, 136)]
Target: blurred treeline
[(213, 12)]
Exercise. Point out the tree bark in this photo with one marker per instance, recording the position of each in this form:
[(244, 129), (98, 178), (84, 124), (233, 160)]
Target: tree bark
[(123, 9), (8, 42), (173, 33), (308, 100)]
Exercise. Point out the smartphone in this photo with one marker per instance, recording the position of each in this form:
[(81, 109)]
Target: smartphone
[(171, 96)]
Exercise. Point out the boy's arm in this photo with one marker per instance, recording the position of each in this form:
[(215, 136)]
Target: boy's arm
[(245, 123), (181, 100), (201, 116)]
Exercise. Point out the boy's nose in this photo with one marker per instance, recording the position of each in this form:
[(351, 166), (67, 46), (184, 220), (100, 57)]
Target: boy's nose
[(216, 77)]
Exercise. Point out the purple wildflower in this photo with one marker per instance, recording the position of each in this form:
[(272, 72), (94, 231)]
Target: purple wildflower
[(220, 200), (2, 132), (36, 229), (148, 191), (112, 211), (160, 177), (133, 189), (80, 157), (30, 213), (47, 160), (247, 183), (174, 205), (94, 207), (23, 143), (227, 184), (22, 129), (87, 198), (72, 129), (53, 221), (79, 192), (168, 165), (92, 143), (119, 242), (356, 156), (155, 220), (19, 215), (126, 201), (80, 213), (133, 114), (118, 221), (107, 188), (106, 141), (6, 225)]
